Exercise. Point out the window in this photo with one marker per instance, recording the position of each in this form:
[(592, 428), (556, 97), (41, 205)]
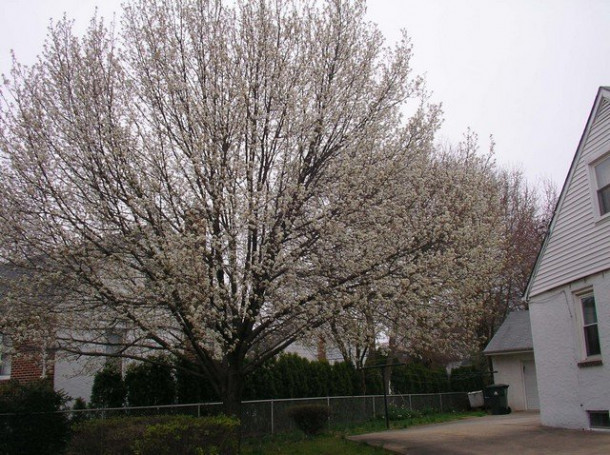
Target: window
[(5, 357), (590, 331), (599, 419), (602, 180)]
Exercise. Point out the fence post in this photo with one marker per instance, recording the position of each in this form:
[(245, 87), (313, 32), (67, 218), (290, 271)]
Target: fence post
[(440, 396), (330, 414), (374, 410), (272, 418), (198, 409), (410, 402)]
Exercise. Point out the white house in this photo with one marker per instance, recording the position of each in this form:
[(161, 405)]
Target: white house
[(569, 289), (512, 354)]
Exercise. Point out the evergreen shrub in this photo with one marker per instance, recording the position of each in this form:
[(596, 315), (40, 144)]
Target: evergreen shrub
[(150, 384), (108, 389), (32, 426)]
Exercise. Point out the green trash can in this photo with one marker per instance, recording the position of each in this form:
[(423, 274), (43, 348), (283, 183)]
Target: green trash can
[(496, 398)]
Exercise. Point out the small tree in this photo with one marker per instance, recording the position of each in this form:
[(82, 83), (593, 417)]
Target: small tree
[(108, 389)]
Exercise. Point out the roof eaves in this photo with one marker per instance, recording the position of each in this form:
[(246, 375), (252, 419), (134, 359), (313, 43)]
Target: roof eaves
[(509, 351)]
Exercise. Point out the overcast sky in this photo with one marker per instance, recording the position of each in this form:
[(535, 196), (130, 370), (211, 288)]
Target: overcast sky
[(525, 71)]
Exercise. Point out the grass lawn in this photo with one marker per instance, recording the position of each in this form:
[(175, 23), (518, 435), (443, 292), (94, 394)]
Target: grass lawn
[(297, 444), (335, 442)]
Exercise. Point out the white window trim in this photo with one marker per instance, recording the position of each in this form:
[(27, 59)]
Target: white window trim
[(580, 325), (4, 347), (593, 187)]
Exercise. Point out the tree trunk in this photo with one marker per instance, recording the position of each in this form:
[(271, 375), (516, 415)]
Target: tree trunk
[(232, 391)]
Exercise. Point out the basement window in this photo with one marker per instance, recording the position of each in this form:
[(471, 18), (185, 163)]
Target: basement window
[(599, 419)]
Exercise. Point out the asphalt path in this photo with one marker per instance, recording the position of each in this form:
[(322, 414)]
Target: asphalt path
[(517, 433)]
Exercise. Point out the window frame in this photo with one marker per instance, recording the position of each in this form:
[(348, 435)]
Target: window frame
[(583, 326), (5, 357), (596, 190)]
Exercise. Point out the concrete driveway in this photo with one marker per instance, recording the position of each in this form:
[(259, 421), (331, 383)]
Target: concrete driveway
[(518, 433)]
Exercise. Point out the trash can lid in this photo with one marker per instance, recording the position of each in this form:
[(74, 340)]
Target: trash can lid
[(497, 386)]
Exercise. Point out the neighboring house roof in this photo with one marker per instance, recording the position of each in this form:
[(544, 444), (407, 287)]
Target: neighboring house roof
[(537, 284), (514, 335), (8, 271)]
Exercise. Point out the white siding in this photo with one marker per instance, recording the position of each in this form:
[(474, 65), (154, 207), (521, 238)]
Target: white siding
[(579, 243), (74, 375)]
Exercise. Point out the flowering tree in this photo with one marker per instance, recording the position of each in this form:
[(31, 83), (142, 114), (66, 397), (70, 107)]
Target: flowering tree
[(524, 215), (447, 301), (433, 299), (215, 180)]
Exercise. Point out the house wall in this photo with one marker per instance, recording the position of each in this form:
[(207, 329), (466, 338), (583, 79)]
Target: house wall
[(567, 391), (74, 375), (508, 369), (314, 352), (578, 245)]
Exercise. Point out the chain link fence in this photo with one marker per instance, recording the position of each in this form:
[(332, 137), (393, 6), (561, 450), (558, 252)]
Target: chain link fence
[(262, 417)]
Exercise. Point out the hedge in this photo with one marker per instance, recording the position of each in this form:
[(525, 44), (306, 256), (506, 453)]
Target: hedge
[(286, 376), (156, 435)]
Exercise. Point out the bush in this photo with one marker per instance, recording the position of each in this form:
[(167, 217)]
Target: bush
[(284, 376), (156, 435), (310, 418), (115, 436), (291, 376), (33, 426), (150, 384), (78, 416), (191, 436), (108, 389), (417, 377), (469, 378), (191, 387)]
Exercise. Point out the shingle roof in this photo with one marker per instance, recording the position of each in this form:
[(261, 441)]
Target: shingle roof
[(514, 335)]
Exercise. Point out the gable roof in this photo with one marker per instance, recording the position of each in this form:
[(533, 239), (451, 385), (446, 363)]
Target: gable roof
[(514, 335), (602, 93)]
